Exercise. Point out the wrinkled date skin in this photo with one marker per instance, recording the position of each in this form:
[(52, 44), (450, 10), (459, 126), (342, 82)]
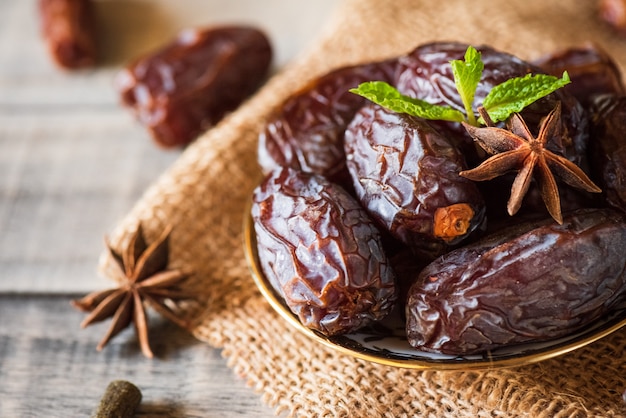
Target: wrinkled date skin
[(68, 29), (306, 133), (405, 174), (592, 71), (426, 73), (530, 283), (189, 85), (608, 149), (321, 252)]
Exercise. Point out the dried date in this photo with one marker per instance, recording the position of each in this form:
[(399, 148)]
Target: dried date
[(405, 173), (321, 252), (608, 149), (592, 71), (306, 132), (530, 283), (68, 29), (190, 84)]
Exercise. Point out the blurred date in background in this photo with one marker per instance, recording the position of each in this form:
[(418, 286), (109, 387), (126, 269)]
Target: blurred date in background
[(177, 90)]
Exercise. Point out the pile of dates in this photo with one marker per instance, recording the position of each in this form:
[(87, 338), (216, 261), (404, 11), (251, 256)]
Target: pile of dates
[(363, 211)]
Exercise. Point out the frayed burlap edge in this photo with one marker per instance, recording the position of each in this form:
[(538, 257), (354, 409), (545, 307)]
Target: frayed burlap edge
[(204, 194)]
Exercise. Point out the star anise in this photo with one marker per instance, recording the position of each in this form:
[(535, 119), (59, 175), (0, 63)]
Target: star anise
[(141, 271), (516, 149)]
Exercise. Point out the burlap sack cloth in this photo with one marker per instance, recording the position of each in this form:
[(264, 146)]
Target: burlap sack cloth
[(205, 192)]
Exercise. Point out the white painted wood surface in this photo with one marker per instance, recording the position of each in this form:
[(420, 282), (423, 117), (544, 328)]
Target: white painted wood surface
[(72, 163)]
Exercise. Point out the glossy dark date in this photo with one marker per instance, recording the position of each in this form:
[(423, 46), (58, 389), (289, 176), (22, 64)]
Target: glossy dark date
[(321, 252), (531, 283), (189, 85), (405, 173), (608, 149), (592, 71), (306, 132)]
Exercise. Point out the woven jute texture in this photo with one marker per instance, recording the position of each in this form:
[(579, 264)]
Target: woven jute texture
[(205, 192)]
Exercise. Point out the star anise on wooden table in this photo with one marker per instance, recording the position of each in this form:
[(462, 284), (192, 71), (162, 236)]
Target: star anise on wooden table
[(141, 270), (516, 149)]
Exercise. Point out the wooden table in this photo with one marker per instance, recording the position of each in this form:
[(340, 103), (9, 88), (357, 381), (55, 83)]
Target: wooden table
[(72, 163)]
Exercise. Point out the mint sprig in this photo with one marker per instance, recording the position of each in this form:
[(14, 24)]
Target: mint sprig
[(467, 75), (515, 94), (503, 100), (389, 97)]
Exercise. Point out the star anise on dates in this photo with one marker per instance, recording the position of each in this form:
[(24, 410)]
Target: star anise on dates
[(141, 270), (516, 149)]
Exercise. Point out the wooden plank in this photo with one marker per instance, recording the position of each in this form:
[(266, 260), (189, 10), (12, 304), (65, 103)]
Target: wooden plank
[(49, 367), (65, 180)]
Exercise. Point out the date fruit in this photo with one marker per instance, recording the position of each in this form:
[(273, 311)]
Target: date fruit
[(321, 252), (406, 174), (306, 132), (68, 29), (529, 283), (190, 84), (608, 149), (592, 71)]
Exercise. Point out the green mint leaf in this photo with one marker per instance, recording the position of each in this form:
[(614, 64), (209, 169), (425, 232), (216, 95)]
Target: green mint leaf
[(390, 98), (515, 94), (467, 74)]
